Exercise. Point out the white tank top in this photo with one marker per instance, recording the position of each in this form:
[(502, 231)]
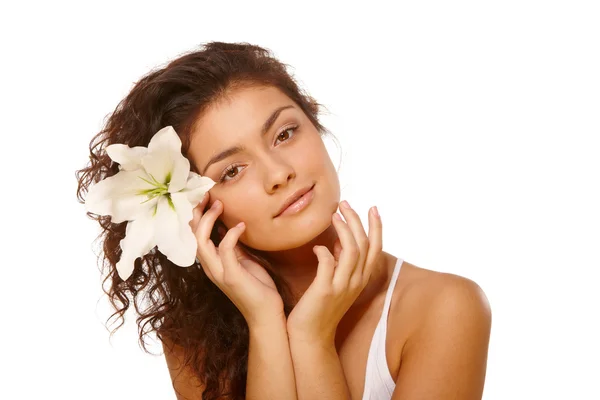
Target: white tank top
[(379, 384)]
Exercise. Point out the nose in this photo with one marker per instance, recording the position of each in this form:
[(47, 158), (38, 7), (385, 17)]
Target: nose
[(278, 173)]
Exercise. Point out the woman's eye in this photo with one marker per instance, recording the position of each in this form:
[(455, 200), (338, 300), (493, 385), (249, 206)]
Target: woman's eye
[(230, 173), (284, 135)]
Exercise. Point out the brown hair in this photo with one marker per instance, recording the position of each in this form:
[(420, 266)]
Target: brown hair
[(182, 304)]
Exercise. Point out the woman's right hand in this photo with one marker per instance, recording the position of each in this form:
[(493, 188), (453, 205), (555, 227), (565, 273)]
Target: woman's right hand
[(245, 282)]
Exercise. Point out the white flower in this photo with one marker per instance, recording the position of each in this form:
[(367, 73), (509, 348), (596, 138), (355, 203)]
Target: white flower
[(156, 192)]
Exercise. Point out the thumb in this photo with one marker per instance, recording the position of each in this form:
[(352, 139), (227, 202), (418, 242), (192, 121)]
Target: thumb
[(326, 267)]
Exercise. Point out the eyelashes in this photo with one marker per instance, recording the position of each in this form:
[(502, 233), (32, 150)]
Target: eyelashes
[(225, 174), (232, 168)]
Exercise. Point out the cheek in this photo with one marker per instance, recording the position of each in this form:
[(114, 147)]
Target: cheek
[(309, 156), (240, 205), (247, 208), (317, 159)]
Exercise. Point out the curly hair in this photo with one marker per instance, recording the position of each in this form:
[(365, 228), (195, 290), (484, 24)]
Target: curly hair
[(182, 304)]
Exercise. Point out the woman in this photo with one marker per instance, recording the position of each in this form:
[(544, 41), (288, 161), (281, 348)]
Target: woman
[(287, 300)]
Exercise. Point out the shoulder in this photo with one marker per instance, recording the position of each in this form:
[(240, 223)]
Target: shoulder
[(458, 306), (427, 298), (448, 316), (428, 293)]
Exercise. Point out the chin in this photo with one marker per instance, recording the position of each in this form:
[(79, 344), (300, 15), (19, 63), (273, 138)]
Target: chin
[(294, 231), (302, 236)]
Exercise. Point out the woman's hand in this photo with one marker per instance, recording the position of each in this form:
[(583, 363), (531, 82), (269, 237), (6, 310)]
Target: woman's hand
[(247, 284), (340, 278)]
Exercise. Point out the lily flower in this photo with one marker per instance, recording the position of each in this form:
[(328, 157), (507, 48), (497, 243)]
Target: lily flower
[(154, 191)]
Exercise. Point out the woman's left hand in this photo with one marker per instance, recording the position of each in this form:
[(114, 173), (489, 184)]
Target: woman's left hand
[(340, 278)]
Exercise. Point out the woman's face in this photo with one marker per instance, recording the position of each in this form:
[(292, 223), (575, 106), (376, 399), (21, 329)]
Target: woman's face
[(254, 182)]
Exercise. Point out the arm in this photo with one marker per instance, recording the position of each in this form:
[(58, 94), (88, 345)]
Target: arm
[(270, 371), (319, 373), (446, 358), (312, 324)]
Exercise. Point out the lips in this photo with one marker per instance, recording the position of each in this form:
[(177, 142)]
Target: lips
[(293, 197)]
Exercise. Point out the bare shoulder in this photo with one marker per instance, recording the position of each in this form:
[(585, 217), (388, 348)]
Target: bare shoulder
[(423, 294), (426, 289), (450, 316)]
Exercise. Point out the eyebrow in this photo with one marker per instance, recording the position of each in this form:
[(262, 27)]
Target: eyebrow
[(236, 149)]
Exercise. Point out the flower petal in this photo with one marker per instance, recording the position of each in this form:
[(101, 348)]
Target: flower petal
[(174, 236), (138, 241), (196, 186), (164, 148), (129, 158), (180, 172), (118, 196)]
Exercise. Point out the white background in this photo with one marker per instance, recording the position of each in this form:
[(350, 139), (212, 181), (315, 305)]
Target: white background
[(473, 126)]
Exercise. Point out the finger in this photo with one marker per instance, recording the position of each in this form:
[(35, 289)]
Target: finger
[(198, 211), (326, 267), (240, 252), (375, 241), (337, 249), (221, 232), (196, 215), (227, 253), (350, 251), (208, 272), (206, 248), (360, 236), (204, 201)]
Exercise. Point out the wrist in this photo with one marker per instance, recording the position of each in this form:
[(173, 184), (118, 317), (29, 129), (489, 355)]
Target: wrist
[(311, 347), (302, 336), (276, 322)]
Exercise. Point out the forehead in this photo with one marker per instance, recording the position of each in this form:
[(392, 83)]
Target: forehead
[(233, 119)]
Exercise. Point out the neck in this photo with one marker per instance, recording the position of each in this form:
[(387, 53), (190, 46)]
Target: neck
[(298, 266)]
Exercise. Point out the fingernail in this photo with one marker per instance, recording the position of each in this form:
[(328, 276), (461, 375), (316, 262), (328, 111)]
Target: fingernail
[(337, 216), (375, 212), (345, 204), (215, 204)]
